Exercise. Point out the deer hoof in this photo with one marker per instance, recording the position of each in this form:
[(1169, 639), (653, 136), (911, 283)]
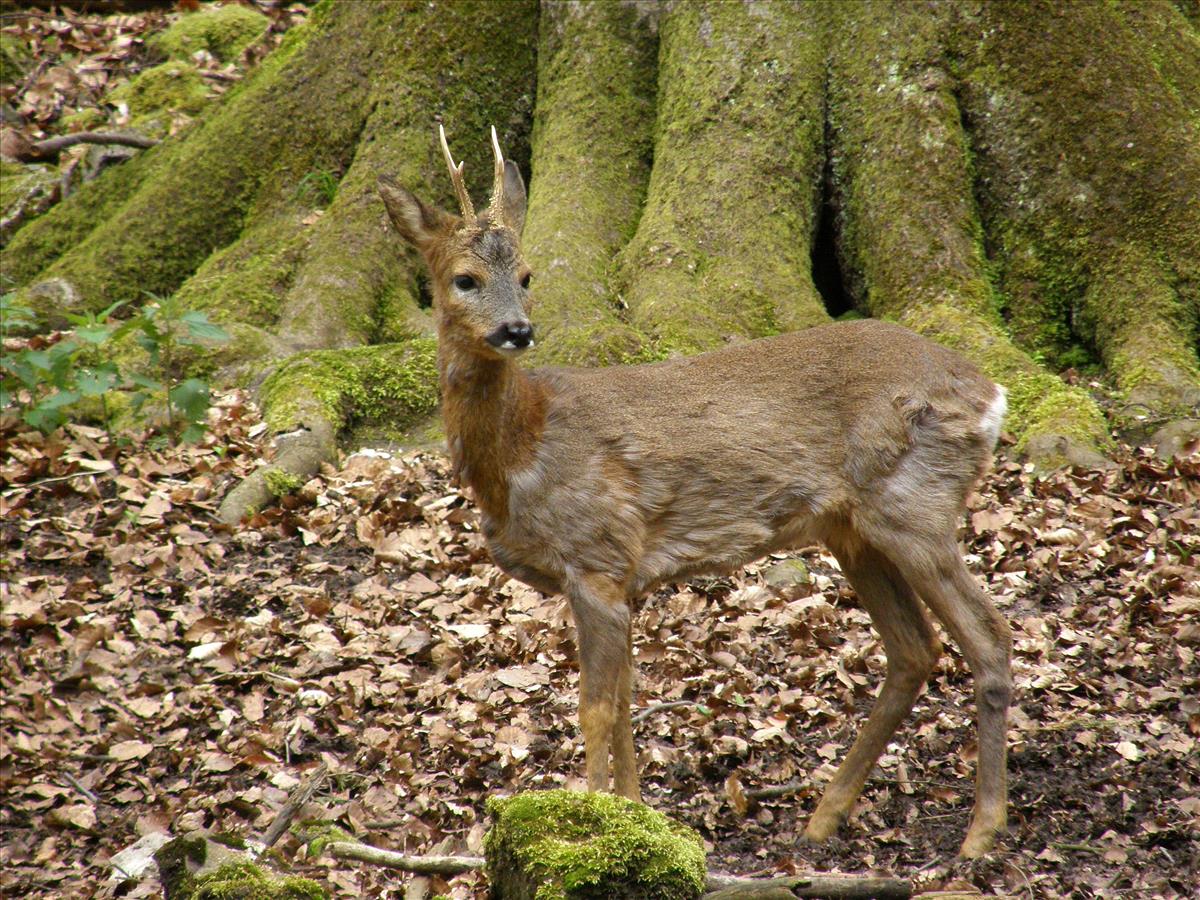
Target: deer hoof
[(980, 840), (822, 828)]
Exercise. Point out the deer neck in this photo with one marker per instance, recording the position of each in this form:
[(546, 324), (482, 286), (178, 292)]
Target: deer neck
[(494, 415)]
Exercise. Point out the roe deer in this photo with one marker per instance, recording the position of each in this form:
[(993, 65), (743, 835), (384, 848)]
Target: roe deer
[(603, 483)]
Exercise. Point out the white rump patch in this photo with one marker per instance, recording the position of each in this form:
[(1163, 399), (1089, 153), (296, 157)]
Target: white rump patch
[(993, 416)]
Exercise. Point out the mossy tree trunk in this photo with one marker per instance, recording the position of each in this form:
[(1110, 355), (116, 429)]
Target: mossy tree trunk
[(1021, 181)]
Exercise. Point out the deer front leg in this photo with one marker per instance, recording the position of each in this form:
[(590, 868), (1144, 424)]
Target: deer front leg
[(602, 626)]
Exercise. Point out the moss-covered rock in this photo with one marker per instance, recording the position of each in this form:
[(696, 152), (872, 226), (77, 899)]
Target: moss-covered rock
[(157, 94), (198, 867), (393, 385), (224, 30), (565, 845), (15, 58)]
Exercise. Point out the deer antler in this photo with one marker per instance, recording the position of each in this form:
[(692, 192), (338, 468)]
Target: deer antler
[(495, 211), (456, 178)]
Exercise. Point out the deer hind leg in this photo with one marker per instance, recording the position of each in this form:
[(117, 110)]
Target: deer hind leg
[(935, 568), (602, 624), (912, 648), (625, 770)]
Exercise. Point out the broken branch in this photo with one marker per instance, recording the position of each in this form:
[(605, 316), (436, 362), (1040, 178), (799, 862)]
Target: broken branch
[(837, 887), (39, 151)]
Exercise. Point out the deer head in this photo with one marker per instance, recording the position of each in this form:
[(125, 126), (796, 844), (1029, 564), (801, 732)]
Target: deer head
[(480, 280)]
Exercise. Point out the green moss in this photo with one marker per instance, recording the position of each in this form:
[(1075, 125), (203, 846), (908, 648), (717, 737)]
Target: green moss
[(394, 385), (38, 244), (222, 30), (22, 188), (593, 846), (246, 881), (85, 119), (247, 281), (15, 58), (591, 153), (173, 87), (280, 482), (902, 166), (1088, 184), (723, 246), (316, 835), (222, 874), (198, 192), (1146, 336)]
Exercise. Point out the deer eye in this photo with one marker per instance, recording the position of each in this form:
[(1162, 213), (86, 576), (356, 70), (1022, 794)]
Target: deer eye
[(464, 282), (525, 280)]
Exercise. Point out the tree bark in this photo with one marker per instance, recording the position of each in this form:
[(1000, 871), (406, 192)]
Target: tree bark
[(723, 246), (591, 164), (976, 186)]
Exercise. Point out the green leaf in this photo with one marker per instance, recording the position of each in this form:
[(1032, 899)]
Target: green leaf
[(201, 328), (94, 382), (192, 398), (146, 382), (94, 334), (58, 400), (44, 419), (15, 315), (192, 433)]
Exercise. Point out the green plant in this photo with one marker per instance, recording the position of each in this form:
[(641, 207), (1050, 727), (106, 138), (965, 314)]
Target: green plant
[(319, 185), (54, 372), (161, 328)]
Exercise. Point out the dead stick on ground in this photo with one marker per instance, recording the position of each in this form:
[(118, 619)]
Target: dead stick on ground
[(839, 887), (659, 707), (300, 795), (51, 147), (836, 887), (422, 865), (75, 783), (779, 790)]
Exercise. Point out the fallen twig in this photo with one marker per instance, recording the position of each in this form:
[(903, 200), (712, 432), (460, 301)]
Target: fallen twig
[(75, 783), (646, 713), (300, 795), (839, 887), (51, 147), (422, 865), (775, 791)]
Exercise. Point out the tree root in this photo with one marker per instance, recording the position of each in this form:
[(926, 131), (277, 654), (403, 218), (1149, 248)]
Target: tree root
[(912, 239), (299, 454), (50, 148), (723, 246), (591, 152)]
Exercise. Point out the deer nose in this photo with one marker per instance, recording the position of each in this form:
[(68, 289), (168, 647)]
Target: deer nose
[(515, 335)]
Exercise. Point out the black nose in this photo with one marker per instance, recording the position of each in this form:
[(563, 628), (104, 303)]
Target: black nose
[(512, 335)]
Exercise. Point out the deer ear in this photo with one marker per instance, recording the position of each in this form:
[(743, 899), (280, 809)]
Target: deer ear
[(514, 197), (417, 223)]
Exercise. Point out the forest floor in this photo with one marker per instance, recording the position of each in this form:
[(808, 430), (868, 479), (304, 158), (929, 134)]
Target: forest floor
[(163, 673)]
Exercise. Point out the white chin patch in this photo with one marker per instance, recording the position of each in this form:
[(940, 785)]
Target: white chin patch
[(509, 348)]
